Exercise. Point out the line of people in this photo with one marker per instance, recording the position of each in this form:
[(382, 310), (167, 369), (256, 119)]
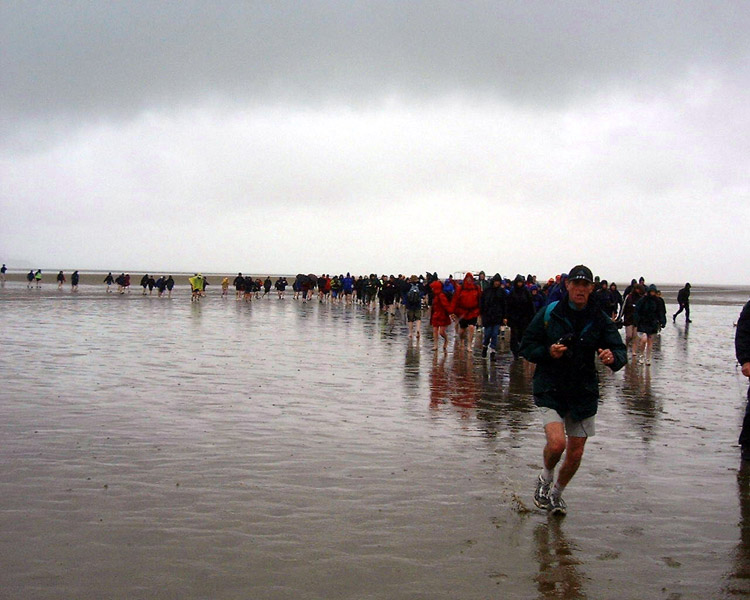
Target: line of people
[(148, 283)]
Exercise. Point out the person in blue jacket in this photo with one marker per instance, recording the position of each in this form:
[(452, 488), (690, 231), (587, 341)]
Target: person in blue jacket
[(564, 340)]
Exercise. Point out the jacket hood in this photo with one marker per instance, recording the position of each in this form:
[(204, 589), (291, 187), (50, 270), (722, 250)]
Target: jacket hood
[(469, 281), (436, 286)]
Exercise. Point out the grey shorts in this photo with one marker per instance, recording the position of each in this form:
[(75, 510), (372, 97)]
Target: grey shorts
[(585, 428), (413, 315)]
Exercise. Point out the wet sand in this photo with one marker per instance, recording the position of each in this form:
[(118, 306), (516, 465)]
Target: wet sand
[(279, 449)]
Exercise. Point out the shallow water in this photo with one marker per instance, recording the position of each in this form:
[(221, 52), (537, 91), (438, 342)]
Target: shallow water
[(279, 449)]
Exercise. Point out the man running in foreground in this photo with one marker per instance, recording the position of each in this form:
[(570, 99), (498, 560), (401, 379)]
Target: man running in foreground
[(564, 339)]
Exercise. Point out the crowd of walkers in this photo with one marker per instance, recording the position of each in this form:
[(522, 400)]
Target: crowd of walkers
[(499, 306)]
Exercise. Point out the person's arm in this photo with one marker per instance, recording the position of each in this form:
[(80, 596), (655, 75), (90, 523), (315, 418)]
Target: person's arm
[(742, 340), (613, 351)]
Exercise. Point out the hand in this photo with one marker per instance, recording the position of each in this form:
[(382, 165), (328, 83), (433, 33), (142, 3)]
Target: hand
[(557, 350), (746, 369), (606, 356)]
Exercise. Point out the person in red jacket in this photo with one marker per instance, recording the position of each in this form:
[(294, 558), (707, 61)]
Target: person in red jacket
[(467, 302), (440, 317)]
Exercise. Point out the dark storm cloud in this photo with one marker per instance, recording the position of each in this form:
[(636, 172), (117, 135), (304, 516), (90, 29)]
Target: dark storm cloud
[(101, 58)]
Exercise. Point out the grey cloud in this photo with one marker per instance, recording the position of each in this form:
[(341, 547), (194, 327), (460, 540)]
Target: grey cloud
[(106, 58)]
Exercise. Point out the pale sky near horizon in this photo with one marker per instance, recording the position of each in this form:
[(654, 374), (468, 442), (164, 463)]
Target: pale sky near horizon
[(388, 137)]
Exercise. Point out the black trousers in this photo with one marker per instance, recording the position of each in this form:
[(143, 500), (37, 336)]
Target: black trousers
[(686, 308), (745, 433)]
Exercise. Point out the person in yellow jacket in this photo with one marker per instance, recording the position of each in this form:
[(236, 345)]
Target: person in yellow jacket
[(196, 285)]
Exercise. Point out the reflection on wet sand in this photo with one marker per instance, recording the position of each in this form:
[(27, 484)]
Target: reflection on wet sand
[(559, 576), (283, 449), (642, 406), (497, 394)]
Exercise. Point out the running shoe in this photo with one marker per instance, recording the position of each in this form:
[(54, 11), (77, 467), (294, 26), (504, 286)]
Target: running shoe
[(557, 505), (541, 494)]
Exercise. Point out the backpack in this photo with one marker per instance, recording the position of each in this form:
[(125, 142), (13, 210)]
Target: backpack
[(413, 296)]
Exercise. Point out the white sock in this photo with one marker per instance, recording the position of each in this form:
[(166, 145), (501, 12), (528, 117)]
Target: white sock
[(547, 474), (557, 490)]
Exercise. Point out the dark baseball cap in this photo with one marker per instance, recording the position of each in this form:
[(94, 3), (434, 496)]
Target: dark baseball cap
[(580, 272)]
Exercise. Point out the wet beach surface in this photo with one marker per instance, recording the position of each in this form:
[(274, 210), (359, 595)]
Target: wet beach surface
[(154, 448)]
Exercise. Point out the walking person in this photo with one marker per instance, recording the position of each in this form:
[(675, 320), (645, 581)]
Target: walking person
[(3, 271), (74, 279), (493, 314), (29, 279), (109, 280), (280, 286), (412, 300), (628, 318), (239, 286), (564, 340), (683, 299), (650, 317), (60, 280), (519, 312), (466, 303), (742, 350), (440, 317)]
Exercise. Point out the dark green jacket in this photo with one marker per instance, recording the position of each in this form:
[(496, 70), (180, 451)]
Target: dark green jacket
[(570, 384)]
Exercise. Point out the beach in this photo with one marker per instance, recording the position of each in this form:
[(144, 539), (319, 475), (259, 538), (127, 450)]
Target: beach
[(158, 448)]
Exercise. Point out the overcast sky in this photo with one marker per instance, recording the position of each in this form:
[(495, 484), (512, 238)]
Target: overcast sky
[(389, 137)]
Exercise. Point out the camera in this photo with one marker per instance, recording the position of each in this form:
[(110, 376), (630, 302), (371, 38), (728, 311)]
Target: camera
[(567, 340)]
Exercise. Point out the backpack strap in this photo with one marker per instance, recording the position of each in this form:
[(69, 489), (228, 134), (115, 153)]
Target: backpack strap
[(548, 311)]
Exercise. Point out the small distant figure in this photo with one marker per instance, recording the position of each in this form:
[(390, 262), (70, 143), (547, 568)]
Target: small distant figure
[(109, 280), (249, 287), (224, 287), (38, 278), (60, 280), (267, 286), (151, 285), (127, 282), (3, 270), (30, 279), (74, 279), (239, 286), (170, 284), (280, 286), (120, 281), (196, 287), (144, 283), (161, 285), (742, 350), (683, 299)]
